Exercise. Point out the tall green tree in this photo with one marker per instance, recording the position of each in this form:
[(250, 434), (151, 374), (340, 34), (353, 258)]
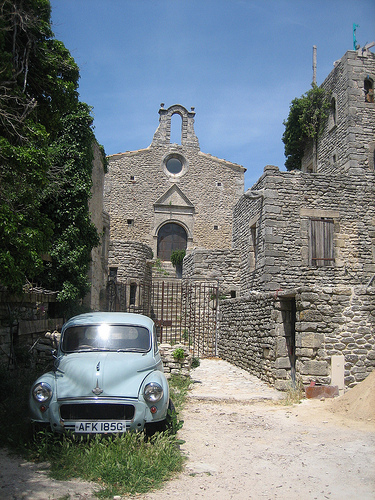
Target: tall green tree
[(307, 117), (46, 140)]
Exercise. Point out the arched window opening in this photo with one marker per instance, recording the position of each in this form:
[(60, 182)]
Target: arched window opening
[(369, 89), (176, 129), (171, 237)]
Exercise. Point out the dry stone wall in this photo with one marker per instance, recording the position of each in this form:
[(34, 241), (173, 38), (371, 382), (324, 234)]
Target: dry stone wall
[(131, 259), (217, 266), (247, 335), (330, 321), (345, 146), (282, 217), (22, 321)]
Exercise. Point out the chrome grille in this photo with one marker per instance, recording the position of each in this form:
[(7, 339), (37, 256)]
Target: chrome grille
[(96, 411)]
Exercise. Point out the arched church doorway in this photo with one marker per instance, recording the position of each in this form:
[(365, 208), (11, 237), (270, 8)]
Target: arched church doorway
[(171, 237)]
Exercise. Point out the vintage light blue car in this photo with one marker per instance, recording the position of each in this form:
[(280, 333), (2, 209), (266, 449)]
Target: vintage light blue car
[(108, 378)]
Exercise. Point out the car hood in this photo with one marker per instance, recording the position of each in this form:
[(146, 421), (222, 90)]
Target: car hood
[(103, 374)]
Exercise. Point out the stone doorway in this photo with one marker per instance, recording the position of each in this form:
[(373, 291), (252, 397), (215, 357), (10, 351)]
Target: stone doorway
[(288, 311), (171, 237)]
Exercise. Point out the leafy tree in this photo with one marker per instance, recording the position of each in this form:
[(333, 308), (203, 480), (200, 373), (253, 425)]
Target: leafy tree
[(46, 141), (305, 124)]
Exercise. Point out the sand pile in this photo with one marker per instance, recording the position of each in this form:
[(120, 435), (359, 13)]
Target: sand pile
[(359, 402)]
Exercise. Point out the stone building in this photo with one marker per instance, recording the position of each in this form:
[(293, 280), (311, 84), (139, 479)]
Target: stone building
[(98, 272), (169, 196), (305, 243)]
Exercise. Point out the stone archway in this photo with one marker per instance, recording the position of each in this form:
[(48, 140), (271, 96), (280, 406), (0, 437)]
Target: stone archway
[(171, 236)]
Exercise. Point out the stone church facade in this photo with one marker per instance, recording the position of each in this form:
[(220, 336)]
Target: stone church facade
[(170, 196)]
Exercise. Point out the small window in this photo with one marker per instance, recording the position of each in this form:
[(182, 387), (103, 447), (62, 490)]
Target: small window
[(369, 89), (218, 184), (321, 242), (253, 231), (334, 159), (174, 166), (333, 114), (133, 294), (130, 222), (132, 178), (216, 228), (113, 273), (233, 294)]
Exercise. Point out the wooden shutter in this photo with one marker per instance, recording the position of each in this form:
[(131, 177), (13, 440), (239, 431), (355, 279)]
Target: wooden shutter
[(321, 242)]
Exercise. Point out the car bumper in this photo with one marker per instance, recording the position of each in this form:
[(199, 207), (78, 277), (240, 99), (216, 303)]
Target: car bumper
[(63, 415)]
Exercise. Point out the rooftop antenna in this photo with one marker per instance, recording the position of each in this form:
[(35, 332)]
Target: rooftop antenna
[(355, 45), (314, 65)]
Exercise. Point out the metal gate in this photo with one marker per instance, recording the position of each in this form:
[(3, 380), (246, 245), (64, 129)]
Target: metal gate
[(184, 312)]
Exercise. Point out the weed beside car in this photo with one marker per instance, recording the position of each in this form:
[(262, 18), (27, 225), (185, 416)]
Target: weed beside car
[(120, 464)]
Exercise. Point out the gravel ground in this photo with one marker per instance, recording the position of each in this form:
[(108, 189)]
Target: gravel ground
[(242, 443)]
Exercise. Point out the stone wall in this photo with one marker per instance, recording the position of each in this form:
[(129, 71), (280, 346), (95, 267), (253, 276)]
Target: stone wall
[(22, 321), (345, 145), (218, 266), (173, 366), (131, 259), (335, 321), (258, 333), (280, 208), (247, 335), (98, 272)]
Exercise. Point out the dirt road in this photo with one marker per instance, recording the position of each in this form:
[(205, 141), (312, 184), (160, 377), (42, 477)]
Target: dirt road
[(241, 443)]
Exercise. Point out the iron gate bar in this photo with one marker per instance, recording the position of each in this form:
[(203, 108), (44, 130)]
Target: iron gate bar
[(185, 312)]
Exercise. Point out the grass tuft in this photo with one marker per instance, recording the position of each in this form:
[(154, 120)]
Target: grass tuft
[(294, 394), (120, 464)]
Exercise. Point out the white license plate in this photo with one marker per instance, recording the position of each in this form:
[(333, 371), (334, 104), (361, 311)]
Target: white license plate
[(101, 427)]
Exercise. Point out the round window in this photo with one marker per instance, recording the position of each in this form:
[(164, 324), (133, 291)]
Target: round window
[(174, 166)]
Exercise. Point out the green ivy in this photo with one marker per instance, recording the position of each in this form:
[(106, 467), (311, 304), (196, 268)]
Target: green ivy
[(306, 121), (46, 153)]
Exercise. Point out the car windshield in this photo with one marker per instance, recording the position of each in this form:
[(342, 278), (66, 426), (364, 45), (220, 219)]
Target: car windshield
[(105, 337)]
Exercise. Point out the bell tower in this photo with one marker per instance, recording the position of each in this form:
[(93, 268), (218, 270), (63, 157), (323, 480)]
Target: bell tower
[(162, 136)]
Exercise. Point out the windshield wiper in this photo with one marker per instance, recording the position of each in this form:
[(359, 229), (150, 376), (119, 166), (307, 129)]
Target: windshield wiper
[(92, 349), (131, 349)]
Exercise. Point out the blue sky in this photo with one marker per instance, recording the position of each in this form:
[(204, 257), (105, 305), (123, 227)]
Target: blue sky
[(238, 62)]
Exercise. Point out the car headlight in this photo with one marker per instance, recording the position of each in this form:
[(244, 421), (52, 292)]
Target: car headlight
[(153, 392), (42, 392)]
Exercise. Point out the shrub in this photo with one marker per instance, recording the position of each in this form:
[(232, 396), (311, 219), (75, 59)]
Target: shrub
[(179, 354), (177, 257)]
